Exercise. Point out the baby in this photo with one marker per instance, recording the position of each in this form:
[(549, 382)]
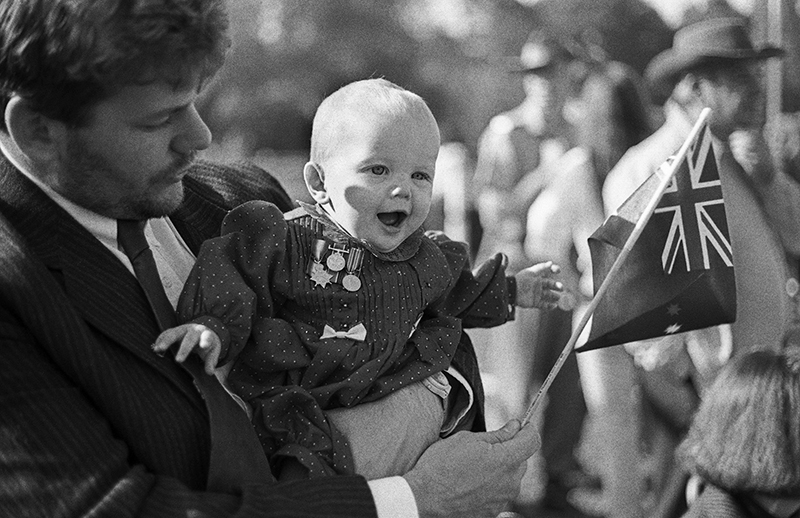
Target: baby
[(344, 316)]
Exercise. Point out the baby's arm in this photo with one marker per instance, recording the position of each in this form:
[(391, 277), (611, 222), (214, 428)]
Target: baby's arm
[(536, 288), (486, 296), (192, 337)]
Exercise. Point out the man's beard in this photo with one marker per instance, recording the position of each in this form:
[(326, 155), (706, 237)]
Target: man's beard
[(82, 183)]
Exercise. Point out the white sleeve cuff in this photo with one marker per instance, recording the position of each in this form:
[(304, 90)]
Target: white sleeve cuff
[(393, 498)]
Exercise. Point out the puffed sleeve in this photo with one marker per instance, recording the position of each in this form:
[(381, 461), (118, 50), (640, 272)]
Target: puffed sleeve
[(231, 279), (483, 297)]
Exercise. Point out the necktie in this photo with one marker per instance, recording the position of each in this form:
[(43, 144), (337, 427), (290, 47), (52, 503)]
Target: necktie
[(237, 458), (130, 234)]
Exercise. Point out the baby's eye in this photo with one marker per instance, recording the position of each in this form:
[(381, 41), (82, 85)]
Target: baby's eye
[(379, 170), (420, 175)]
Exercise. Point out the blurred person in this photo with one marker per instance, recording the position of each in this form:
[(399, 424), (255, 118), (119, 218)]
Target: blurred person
[(714, 64), (336, 321), (99, 137), (516, 143), (450, 211), (743, 445), (513, 155), (609, 112)]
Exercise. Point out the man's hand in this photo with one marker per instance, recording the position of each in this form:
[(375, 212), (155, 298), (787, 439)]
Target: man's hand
[(473, 474), (535, 287), (193, 337)]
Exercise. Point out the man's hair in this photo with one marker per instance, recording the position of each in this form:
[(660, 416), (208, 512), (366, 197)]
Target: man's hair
[(746, 434), (65, 56), (368, 95)]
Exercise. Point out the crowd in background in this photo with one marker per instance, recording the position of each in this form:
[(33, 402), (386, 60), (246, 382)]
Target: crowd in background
[(111, 183), (534, 183), (589, 132)]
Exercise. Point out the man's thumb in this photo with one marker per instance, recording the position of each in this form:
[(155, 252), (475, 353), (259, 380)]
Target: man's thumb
[(505, 433)]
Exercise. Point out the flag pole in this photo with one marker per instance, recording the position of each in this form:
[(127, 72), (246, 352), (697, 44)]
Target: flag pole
[(668, 173)]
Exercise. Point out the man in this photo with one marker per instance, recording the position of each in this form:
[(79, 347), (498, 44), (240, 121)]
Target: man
[(713, 63), (516, 143), (100, 133), (513, 166)]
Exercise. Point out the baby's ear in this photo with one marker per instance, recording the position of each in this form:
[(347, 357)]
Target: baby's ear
[(315, 183)]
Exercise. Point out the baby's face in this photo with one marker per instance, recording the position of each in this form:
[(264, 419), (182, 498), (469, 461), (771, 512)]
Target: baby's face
[(380, 176)]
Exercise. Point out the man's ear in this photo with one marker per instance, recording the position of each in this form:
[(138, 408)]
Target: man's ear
[(40, 138), (315, 183)]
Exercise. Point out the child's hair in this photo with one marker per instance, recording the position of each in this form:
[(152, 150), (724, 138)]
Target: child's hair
[(745, 436), (375, 95)]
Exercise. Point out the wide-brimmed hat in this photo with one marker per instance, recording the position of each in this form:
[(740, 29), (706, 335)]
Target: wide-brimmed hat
[(716, 38)]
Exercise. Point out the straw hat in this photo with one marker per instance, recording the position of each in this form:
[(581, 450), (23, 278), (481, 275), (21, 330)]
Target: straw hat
[(716, 38)]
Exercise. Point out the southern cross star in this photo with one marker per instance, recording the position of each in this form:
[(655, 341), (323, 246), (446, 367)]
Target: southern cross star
[(671, 330)]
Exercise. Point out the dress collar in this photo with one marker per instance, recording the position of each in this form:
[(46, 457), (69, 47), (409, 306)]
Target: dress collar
[(336, 233)]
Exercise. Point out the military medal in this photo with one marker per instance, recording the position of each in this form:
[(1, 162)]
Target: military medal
[(336, 260), (351, 281), (316, 270), (321, 277)]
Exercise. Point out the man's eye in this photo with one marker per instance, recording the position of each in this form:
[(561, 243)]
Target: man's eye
[(379, 170), (419, 175), (155, 124)]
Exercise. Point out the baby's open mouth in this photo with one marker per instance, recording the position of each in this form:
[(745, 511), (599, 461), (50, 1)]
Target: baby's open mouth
[(392, 219)]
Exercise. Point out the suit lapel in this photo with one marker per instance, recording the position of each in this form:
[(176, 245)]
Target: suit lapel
[(99, 286)]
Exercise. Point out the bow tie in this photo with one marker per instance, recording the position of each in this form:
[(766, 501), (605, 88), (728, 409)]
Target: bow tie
[(358, 332)]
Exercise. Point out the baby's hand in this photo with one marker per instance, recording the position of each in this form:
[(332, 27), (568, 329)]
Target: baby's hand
[(535, 288), (193, 337)]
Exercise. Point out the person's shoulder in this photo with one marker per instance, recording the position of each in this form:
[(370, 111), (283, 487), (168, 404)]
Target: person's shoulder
[(641, 155), (253, 217), (13, 247), (713, 501), (438, 240), (239, 182)]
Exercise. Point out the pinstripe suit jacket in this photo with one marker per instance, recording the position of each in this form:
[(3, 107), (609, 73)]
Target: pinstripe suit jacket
[(91, 422)]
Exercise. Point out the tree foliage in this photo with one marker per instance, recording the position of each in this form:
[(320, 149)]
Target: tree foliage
[(288, 54)]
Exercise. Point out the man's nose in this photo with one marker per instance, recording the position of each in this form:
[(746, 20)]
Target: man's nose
[(194, 135)]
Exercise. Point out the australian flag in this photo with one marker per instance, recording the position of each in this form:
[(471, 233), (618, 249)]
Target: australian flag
[(679, 275)]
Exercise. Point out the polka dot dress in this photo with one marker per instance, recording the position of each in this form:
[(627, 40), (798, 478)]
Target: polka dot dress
[(252, 286)]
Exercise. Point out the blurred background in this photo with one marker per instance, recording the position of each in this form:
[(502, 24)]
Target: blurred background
[(287, 55)]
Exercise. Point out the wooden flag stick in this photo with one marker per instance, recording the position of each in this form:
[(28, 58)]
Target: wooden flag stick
[(668, 173)]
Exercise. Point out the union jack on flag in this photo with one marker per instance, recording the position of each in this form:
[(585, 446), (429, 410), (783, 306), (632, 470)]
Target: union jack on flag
[(679, 275), (697, 237)]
